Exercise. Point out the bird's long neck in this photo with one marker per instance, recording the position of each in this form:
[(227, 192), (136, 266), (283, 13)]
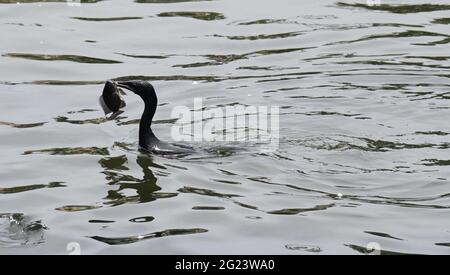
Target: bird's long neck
[(146, 135)]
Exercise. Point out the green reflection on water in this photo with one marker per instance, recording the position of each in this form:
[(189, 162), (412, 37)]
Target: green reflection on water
[(207, 16), (398, 8)]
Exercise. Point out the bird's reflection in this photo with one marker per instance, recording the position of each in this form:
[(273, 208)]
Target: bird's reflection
[(146, 188)]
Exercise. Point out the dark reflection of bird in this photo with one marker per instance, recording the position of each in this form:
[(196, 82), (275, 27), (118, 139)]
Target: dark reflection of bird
[(147, 139), (146, 188)]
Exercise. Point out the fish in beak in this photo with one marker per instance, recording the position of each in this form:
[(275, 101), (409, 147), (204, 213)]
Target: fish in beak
[(110, 100)]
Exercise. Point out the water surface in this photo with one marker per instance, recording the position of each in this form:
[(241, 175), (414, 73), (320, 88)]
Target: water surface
[(364, 150)]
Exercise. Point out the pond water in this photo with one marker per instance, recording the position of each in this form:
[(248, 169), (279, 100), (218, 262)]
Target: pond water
[(363, 156)]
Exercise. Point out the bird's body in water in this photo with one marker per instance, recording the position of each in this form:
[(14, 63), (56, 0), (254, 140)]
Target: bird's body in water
[(148, 142)]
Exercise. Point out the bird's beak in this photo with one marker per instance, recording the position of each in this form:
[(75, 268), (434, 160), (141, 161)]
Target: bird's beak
[(125, 85)]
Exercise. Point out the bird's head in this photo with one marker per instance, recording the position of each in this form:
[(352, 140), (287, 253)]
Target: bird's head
[(139, 87)]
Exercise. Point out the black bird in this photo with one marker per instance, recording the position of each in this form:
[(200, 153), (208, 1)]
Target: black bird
[(147, 139)]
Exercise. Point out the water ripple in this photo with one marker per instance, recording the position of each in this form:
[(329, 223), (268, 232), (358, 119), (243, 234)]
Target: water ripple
[(22, 126), (138, 238), (53, 57), (383, 235), (296, 211), (402, 9), (77, 208), (206, 16), (44, 1), (18, 230), (103, 19), (71, 151), (262, 36), (205, 192), (24, 188), (166, 1)]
